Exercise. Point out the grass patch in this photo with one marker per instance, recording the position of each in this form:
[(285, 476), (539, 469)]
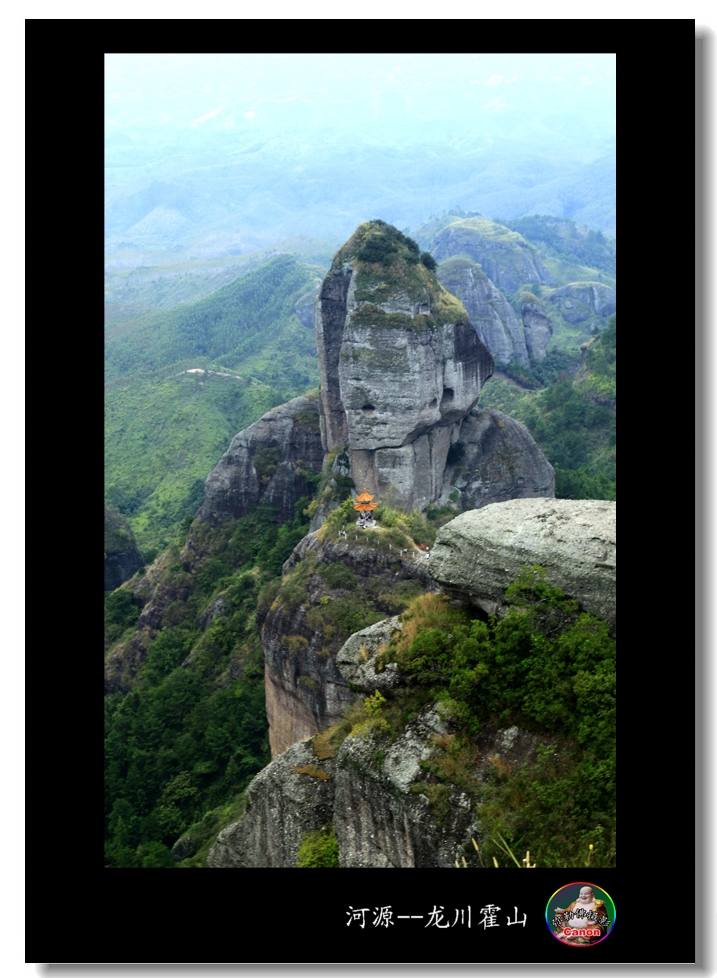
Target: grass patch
[(319, 849)]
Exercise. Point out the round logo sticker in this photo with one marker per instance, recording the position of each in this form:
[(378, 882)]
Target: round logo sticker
[(580, 914)]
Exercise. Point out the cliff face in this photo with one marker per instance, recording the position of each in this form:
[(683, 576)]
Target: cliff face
[(538, 328), (329, 589), (400, 366), (496, 459), (372, 785), (580, 301), (268, 462), (504, 255), (122, 558), (488, 309)]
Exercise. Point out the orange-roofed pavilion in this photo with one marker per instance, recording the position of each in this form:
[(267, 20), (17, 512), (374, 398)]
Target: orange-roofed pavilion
[(364, 503)]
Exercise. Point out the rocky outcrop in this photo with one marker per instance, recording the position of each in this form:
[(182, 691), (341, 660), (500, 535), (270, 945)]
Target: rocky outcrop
[(379, 821), (495, 459), (488, 309), (581, 301), (538, 328), (268, 462), (290, 797), (326, 587), (504, 255), (358, 658), (400, 366), (122, 558), (478, 554)]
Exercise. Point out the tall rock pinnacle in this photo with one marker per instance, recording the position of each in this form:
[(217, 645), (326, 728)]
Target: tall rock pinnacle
[(401, 366)]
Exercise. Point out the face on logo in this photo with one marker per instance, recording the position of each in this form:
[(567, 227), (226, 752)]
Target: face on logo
[(580, 914)]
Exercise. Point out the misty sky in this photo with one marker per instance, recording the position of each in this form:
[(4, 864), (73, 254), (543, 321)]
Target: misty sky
[(250, 148)]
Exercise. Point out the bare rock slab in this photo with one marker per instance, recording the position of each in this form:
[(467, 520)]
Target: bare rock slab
[(478, 554)]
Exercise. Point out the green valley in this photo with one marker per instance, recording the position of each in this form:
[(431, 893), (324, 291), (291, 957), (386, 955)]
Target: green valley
[(165, 427)]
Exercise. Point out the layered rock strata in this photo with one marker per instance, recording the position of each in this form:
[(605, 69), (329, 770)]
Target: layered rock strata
[(479, 553), (378, 820), (283, 804), (268, 462)]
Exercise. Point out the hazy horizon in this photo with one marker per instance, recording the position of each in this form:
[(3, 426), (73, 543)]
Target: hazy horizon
[(223, 154)]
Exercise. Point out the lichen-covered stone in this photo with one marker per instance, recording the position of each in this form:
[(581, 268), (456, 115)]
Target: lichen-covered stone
[(479, 553), (358, 657), (399, 360), (379, 821), (305, 690)]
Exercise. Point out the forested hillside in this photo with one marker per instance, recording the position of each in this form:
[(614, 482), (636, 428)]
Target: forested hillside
[(189, 731), (245, 325), (568, 402), (165, 428), (182, 745)]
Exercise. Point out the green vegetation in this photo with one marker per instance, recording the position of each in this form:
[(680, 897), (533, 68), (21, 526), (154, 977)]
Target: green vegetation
[(571, 419), (319, 849), (389, 266), (545, 667), (185, 742), (121, 614), (163, 436), (399, 529), (560, 237), (164, 429), (334, 487), (132, 290), (194, 845), (118, 534), (247, 326)]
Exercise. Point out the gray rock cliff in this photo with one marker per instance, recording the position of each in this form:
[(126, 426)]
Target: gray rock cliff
[(282, 805), (379, 821), (400, 366), (495, 459), (488, 309), (504, 255), (478, 554), (300, 636), (537, 326), (268, 462), (580, 301)]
